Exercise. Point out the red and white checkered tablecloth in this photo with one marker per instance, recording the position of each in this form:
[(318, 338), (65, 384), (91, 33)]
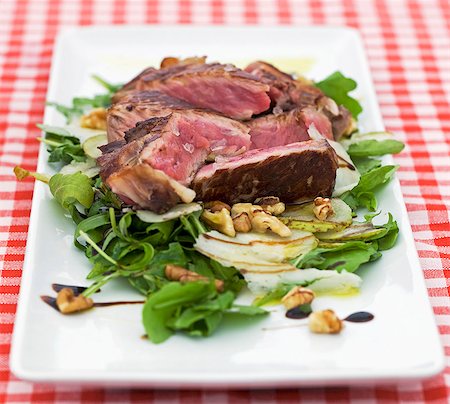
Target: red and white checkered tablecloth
[(408, 43)]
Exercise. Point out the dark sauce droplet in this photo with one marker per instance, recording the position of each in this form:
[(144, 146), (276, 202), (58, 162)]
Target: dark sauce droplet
[(77, 290), (359, 317), (51, 301), (297, 313)]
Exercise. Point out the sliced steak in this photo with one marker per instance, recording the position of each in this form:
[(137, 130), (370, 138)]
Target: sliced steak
[(214, 86), (176, 145), (293, 172), (285, 92), (143, 186), (138, 106), (287, 127)]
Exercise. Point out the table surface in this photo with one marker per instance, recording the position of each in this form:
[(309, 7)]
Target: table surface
[(408, 44)]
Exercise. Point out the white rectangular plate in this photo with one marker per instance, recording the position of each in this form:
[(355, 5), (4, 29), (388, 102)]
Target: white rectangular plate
[(104, 345)]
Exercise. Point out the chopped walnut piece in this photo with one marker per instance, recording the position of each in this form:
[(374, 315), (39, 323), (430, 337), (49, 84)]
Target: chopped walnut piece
[(95, 119), (271, 204), (325, 322), (248, 208), (183, 275), (242, 223), (220, 221), (68, 303), (217, 206), (322, 208), (263, 221), (297, 296)]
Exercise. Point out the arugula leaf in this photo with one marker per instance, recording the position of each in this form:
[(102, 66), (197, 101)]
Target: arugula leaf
[(389, 238), (337, 87), (365, 165), (247, 310), (71, 189), (21, 174), (164, 306), (174, 254), (367, 148), (362, 194), (68, 112), (214, 270), (349, 256), (195, 308), (81, 104), (62, 146), (273, 296), (112, 88)]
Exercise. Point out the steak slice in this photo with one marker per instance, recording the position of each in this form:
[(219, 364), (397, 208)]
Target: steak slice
[(287, 93), (287, 127), (214, 86), (143, 186), (170, 150), (293, 172), (138, 106)]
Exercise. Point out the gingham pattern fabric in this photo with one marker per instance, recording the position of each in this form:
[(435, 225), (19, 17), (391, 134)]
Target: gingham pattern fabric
[(408, 43)]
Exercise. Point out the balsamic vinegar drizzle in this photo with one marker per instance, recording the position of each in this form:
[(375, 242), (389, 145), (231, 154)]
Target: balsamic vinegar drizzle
[(51, 301), (77, 290)]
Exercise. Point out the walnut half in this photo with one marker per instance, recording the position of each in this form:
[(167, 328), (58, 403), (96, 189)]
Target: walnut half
[(322, 208), (68, 303), (297, 296), (220, 220), (325, 322), (263, 221), (183, 275)]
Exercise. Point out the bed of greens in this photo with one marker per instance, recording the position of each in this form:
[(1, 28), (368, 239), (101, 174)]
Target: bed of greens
[(123, 243)]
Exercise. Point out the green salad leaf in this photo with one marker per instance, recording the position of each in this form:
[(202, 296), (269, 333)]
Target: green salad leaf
[(363, 194), (195, 308), (349, 256), (112, 88), (367, 148), (366, 164), (338, 87), (81, 104), (62, 146), (71, 189)]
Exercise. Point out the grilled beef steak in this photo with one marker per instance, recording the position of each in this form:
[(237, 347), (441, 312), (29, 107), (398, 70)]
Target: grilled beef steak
[(214, 86), (293, 172), (138, 106), (176, 145), (287, 127), (166, 124), (287, 93)]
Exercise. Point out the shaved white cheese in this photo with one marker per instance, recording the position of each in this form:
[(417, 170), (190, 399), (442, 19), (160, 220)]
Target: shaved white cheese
[(83, 133), (347, 175), (323, 281), (177, 211), (88, 167)]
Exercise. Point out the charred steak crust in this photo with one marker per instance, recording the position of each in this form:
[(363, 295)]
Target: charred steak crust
[(293, 172)]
